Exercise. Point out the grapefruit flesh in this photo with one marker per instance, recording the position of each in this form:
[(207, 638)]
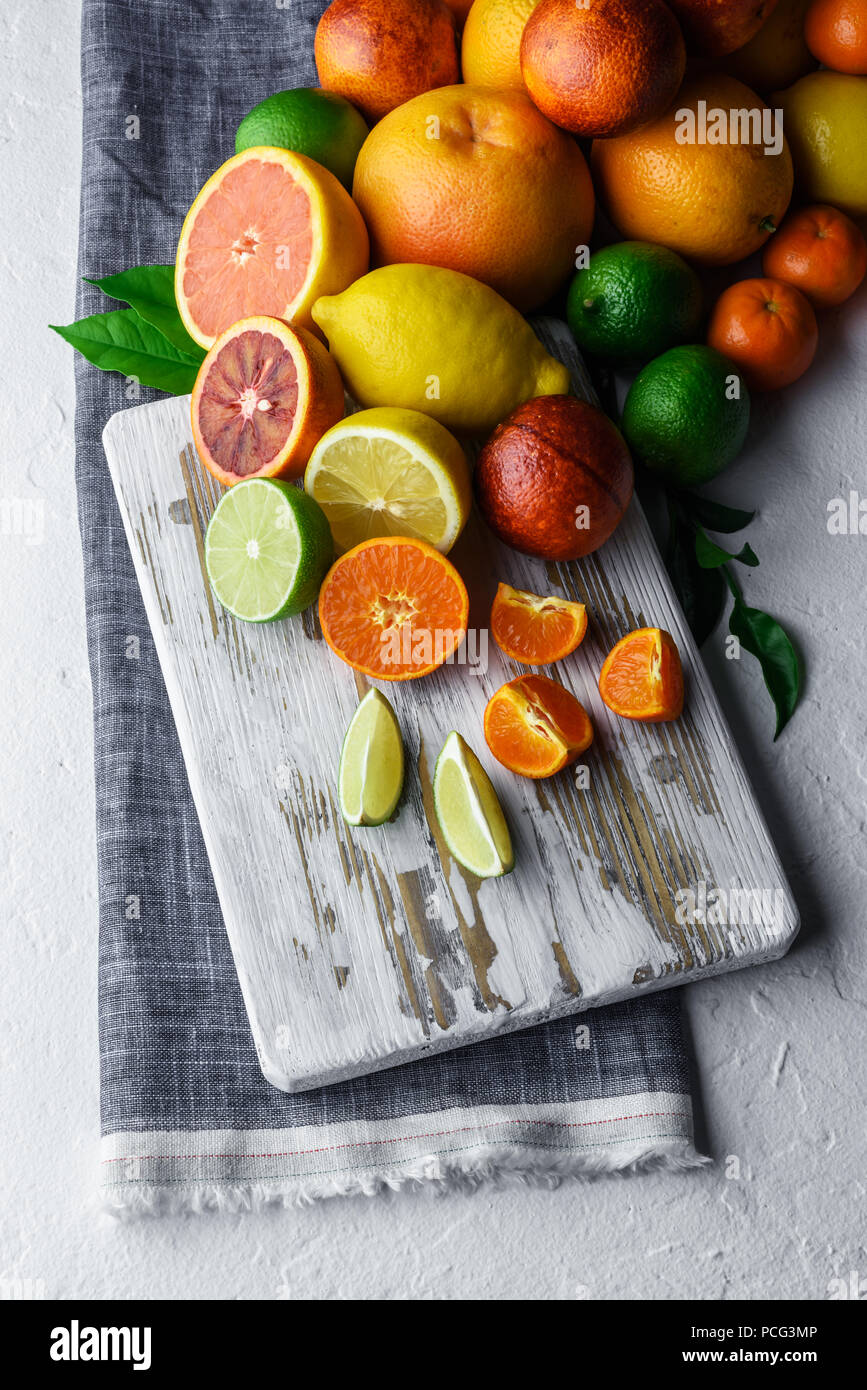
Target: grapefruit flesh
[(264, 396), (269, 232)]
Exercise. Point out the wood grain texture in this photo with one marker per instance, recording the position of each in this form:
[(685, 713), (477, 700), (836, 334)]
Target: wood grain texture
[(358, 949)]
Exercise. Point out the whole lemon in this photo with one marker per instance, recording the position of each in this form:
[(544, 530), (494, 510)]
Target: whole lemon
[(491, 48), (434, 340), (825, 120)]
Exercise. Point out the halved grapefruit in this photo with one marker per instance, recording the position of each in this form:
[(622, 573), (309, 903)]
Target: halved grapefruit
[(270, 232), (264, 396)]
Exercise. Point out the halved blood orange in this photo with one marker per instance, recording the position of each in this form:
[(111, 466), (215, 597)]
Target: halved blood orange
[(642, 677), (534, 726), (264, 396), (394, 608), (269, 233), (536, 628)]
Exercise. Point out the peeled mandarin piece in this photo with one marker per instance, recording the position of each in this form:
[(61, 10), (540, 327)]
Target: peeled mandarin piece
[(535, 727), (536, 628), (642, 677)]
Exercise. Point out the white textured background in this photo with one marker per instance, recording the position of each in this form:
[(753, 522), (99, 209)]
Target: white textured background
[(780, 1049)]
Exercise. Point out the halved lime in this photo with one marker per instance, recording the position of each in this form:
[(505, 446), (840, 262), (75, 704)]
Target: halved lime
[(470, 815), (371, 764), (267, 550)]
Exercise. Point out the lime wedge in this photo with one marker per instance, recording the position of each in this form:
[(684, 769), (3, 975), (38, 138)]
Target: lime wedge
[(371, 764), (469, 812), (267, 550)]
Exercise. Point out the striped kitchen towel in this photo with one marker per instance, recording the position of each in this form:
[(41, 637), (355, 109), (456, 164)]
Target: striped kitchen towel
[(188, 1120)]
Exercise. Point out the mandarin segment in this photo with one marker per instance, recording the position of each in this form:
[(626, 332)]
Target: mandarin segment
[(394, 608), (536, 628), (535, 727), (642, 677)]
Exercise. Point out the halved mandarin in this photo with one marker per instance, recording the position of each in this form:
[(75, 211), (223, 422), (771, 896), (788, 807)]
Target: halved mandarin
[(268, 233), (534, 726), (264, 396), (536, 628), (394, 608), (642, 677)]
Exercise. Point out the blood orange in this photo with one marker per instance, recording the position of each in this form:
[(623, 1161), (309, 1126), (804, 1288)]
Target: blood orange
[(534, 726), (393, 608), (264, 396), (555, 478), (269, 233), (535, 628)]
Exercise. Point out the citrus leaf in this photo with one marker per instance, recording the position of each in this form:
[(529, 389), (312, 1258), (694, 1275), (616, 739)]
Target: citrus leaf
[(710, 555), (150, 290), (120, 341), (701, 591), (767, 641), (714, 515)]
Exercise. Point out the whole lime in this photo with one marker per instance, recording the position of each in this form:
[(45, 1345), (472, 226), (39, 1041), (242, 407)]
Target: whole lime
[(322, 125), (686, 415), (632, 302)]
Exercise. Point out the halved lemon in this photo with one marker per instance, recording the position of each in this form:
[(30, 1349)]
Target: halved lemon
[(391, 472)]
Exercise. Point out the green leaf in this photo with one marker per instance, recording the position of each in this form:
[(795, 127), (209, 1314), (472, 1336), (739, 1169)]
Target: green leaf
[(710, 555), (765, 639), (150, 290), (701, 591), (714, 515), (122, 342)]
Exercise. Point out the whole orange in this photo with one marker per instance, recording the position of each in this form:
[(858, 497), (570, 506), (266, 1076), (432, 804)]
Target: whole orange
[(379, 53), (778, 54), (476, 180), (602, 68), (836, 34), (720, 26), (491, 46), (768, 329), (713, 203), (821, 252)]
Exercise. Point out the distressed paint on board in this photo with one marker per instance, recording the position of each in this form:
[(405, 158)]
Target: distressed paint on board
[(361, 948)]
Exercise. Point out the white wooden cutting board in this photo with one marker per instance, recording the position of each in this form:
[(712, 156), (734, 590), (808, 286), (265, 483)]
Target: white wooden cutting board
[(358, 949)]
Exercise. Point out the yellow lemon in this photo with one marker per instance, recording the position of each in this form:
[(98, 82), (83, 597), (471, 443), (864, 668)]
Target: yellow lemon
[(390, 472), (825, 121), (434, 340), (491, 45)]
